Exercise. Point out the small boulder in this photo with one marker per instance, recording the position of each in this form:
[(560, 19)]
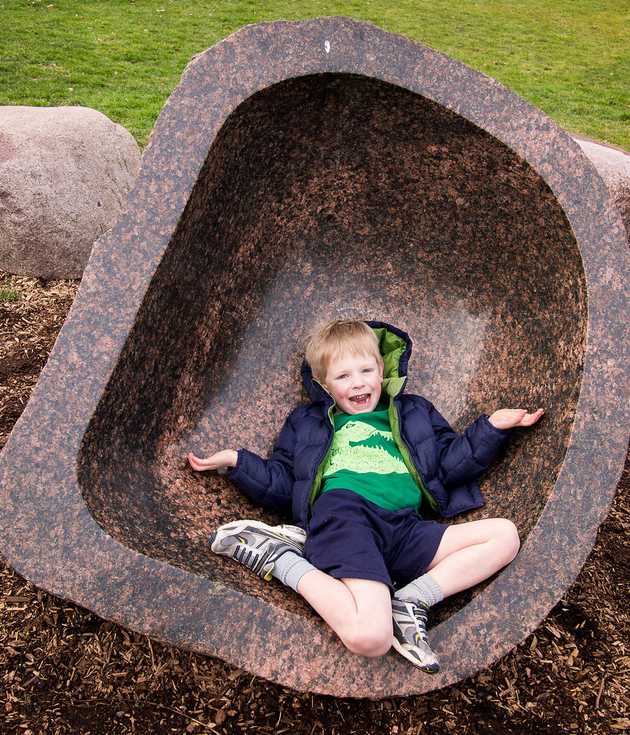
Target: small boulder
[(65, 173), (613, 165)]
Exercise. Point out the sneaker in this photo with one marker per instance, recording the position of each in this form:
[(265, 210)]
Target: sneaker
[(410, 634), (256, 544)]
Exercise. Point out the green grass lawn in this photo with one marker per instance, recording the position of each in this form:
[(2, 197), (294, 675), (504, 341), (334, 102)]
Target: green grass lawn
[(571, 58)]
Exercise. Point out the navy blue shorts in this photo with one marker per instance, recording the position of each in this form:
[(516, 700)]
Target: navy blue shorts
[(348, 536)]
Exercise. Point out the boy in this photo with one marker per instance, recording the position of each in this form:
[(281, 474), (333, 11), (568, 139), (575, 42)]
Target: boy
[(354, 467)]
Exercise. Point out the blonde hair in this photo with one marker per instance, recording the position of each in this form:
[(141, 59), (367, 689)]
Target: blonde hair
[(341, 336)]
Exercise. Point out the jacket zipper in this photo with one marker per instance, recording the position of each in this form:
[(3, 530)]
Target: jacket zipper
[(319, 464), (406, 455)]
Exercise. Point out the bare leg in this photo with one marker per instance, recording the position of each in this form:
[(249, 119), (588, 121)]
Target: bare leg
[(358, 610), (467, 554), (471, 552)]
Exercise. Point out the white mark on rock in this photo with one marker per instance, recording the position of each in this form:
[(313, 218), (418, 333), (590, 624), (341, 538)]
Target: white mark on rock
[(327, 46)]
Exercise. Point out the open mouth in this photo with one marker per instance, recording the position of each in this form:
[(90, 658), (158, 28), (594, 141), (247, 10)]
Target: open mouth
[(361, 400)]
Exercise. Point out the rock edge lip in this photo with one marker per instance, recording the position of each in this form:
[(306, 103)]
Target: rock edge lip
[(77, 560)]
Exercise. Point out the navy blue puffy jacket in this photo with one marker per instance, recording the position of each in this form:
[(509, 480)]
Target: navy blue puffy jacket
[(448, 464)]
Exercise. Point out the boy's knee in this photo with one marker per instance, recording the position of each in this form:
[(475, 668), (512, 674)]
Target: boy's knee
[(368, 642), (510, 541)]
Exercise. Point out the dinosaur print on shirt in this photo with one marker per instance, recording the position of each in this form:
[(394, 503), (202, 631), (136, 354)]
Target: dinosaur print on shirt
[(364, 459), (359, 447)]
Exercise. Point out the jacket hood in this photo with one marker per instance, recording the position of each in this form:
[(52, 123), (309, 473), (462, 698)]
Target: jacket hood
[(395, 348)]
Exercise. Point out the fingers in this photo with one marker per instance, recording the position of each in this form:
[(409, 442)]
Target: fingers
[(200, 464), (529, 419), (509, 418)]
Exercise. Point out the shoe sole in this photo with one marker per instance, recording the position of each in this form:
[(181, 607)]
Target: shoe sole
[(403, 652), (292, 533)]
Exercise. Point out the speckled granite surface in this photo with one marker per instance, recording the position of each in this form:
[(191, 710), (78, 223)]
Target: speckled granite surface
[(298, 172)]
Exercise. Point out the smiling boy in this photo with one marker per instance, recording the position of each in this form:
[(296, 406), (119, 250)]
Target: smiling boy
[(356, 466)]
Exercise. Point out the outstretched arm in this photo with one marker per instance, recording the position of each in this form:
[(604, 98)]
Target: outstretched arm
[(465, 457), (266, 482)]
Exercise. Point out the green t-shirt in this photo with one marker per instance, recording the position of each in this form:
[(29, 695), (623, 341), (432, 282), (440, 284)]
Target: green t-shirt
[(365, 459)]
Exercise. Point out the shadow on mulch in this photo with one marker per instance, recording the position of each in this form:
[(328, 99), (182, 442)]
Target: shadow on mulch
[(64, 670)]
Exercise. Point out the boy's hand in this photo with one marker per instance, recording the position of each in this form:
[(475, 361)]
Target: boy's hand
[(217, 461), (509, 418)]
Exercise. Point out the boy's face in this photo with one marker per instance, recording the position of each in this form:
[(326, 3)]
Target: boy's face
[(354, 381)]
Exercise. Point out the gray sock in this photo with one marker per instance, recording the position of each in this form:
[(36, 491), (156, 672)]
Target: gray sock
[(290, 568), (423, 589)]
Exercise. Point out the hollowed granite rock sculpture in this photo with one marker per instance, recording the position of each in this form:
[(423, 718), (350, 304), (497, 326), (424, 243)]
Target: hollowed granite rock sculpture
[(299, 171)]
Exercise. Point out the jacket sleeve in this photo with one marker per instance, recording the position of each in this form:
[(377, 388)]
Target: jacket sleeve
[(465, 457), (268, 482)]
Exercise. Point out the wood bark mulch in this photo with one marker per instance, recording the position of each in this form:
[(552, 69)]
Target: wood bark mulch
[(65, 670)]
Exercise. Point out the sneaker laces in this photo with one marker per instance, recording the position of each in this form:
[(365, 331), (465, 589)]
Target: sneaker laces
[(420, 613), (255, 559)]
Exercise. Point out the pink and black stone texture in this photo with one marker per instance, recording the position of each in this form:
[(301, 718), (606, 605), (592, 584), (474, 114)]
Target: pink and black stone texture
[(298, 172)]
